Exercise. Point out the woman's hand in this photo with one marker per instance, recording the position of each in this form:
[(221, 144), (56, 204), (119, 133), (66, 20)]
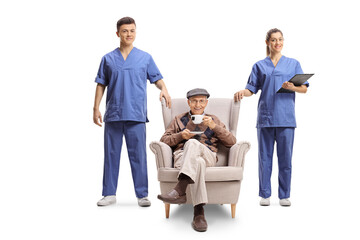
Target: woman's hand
[(242, 93), (292, 87), (289, 85)]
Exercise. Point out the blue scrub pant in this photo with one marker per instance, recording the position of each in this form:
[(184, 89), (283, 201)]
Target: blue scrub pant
[(135, 136), (284, 137)]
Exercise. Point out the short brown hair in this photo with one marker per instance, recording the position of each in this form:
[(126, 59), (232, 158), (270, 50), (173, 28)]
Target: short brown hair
[(124, 20)]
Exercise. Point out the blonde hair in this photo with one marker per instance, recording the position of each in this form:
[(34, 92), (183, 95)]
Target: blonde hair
[(268, 35)]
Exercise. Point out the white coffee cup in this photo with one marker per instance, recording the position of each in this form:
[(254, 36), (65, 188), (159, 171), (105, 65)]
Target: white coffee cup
[(197, 119)]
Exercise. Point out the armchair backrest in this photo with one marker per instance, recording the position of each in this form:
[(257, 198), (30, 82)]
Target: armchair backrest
[(224, 108)]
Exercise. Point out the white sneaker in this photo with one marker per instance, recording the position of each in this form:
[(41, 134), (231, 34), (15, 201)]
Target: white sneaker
[(285, 202), (144, 202), (265, 202), (107, 200)]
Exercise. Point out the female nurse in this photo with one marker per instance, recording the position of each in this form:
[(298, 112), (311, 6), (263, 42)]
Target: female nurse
[(276, 114)]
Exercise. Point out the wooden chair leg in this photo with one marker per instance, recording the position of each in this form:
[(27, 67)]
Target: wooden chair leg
[(233, 208), (167, 209)]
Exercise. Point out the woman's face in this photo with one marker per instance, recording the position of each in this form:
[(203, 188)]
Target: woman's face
[(275, 42)]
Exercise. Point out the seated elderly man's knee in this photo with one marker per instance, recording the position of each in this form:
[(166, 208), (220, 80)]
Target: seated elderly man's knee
[(191, 142)]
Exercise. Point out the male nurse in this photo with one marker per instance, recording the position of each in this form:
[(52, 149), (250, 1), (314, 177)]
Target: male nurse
[(124, 72)]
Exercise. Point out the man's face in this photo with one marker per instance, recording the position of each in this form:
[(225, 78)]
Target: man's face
[(127, 33), (197, 104)]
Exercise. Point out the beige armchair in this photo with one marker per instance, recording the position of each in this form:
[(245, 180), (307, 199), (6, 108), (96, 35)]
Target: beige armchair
[(222, 181)]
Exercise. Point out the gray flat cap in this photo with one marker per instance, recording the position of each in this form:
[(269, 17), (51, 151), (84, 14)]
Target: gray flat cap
[(197, 92)]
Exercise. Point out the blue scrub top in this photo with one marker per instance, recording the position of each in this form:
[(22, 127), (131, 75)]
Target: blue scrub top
[(274, 109), (126, 83)]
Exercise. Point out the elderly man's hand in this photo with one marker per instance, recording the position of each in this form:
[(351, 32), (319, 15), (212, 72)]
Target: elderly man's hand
[(186, 134), (208, 121)]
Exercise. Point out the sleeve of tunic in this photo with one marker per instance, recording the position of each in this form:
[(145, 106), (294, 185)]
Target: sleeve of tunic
[(298, 70), (153, 73), (102, 76), (253, 83)]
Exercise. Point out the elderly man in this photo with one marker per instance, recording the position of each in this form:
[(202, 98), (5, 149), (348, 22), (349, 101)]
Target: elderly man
[(195, 147)]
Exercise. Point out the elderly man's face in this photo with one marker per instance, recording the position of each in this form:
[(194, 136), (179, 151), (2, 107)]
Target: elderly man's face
[(197, 104)]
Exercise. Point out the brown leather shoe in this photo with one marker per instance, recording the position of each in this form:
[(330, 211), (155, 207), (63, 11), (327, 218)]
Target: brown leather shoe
[(172, 197), (199, 223)]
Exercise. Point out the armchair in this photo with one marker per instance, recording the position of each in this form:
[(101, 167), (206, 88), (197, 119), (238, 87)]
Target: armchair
[(222, 181)]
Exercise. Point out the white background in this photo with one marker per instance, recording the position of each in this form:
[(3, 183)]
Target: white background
[(52, 154)]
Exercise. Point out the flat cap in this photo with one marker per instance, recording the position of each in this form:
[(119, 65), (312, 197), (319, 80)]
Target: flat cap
[(197, 92)]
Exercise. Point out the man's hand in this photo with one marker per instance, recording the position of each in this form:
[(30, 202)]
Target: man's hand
[(208, 121), (186, 134), (97, 116), (98, 95), (164, 94)]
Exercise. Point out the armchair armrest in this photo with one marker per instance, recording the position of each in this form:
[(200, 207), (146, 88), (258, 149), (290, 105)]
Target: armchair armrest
[(237, 154), (163, 154)]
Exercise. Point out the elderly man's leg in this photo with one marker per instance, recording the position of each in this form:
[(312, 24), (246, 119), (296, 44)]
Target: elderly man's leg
[(197, 157), (178, 194), (181, 186), (194, 160), (188, 162), (195, 168), (199, 222)]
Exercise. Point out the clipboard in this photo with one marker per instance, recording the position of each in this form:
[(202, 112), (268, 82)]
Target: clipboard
[(297, 80)]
